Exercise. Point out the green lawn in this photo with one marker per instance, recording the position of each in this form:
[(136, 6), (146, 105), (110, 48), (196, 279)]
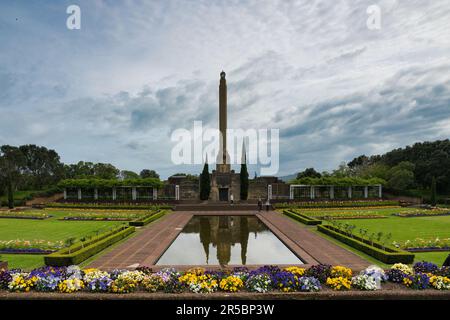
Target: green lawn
[(409, 229), (49, 229)]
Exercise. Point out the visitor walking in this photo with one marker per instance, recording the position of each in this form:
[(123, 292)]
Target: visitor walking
[(267, 204), (259, 204), (231, 198)]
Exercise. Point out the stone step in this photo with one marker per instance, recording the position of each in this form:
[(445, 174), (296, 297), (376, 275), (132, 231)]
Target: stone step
[(217, 207)]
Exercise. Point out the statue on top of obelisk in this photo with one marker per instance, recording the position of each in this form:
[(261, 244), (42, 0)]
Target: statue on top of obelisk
[(223, 159)]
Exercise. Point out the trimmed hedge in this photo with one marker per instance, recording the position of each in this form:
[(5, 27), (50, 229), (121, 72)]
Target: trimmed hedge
[(82, 251), (136, 206), (385, 254), (146, 220), (109, 183), (335, 204), (302, 218)]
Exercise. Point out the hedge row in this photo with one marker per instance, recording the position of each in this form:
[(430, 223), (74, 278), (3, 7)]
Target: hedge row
[(385, 254), (336, 204), (108, 206), (302, 218), (81, 251), (147, 219), (109, 183)]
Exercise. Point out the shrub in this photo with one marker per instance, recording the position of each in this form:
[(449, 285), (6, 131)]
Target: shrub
[(302, 218), (147, 219), (79, 252)]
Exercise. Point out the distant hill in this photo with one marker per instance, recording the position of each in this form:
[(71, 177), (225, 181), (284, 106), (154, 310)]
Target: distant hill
[(288, 178)]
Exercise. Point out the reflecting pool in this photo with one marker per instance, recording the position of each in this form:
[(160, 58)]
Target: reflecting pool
[(223, 240)]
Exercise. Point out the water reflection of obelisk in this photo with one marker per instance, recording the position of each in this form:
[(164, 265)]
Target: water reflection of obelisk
[(224, 239), (205, 235), (244, 233)]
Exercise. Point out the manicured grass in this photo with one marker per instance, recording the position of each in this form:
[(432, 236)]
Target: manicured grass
[(23, 261), (403, 229), (50, 229), (406, 228)]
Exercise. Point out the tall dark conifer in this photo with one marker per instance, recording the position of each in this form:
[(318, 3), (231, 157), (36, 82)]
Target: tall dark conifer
[(205, 182), (244, 175), (433, 191)]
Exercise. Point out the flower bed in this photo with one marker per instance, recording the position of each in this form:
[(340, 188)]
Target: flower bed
[(336, 204), (423, 213), (19, 246), (107, 216), (72, 279), (424, 245), (35, 215)]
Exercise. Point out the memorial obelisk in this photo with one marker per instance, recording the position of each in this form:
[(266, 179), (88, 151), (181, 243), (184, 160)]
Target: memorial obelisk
[(223, 159)]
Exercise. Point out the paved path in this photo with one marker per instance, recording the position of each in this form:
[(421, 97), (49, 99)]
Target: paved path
[(149, 244)]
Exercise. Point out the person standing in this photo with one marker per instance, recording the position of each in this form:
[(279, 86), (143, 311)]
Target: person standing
[(267, 204), (231, 198), (259, 204)]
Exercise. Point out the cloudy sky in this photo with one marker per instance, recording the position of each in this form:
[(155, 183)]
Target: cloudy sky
[(115, 90)]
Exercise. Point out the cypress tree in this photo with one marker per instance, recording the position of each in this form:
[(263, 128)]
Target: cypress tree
[(205, 183), (433, 191), (244, 181)]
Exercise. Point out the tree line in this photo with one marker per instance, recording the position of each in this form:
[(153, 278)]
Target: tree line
[(422, 166), (32, 167)]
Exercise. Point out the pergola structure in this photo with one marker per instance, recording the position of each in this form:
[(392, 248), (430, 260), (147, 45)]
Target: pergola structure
[(301, 191)]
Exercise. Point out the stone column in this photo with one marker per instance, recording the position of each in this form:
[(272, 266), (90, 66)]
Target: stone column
[(95, 194), (312, 193), (155, 194), (114, 194), (380, 191), (350, 192), (65, 193), (269, 192), (79, 194), (177, 192), (366, 192), (133, 193), (332, 192)]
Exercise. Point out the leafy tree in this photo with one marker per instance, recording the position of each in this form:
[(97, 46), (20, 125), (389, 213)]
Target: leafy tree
[(146, 173), (401, 176), (244, 181), (105, 171), (127, 174), (308, 173), (42, 166), (359, 161), (205, 183), (12, 162)]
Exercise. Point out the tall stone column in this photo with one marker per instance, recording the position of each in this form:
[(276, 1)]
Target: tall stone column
[(223, 159)]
